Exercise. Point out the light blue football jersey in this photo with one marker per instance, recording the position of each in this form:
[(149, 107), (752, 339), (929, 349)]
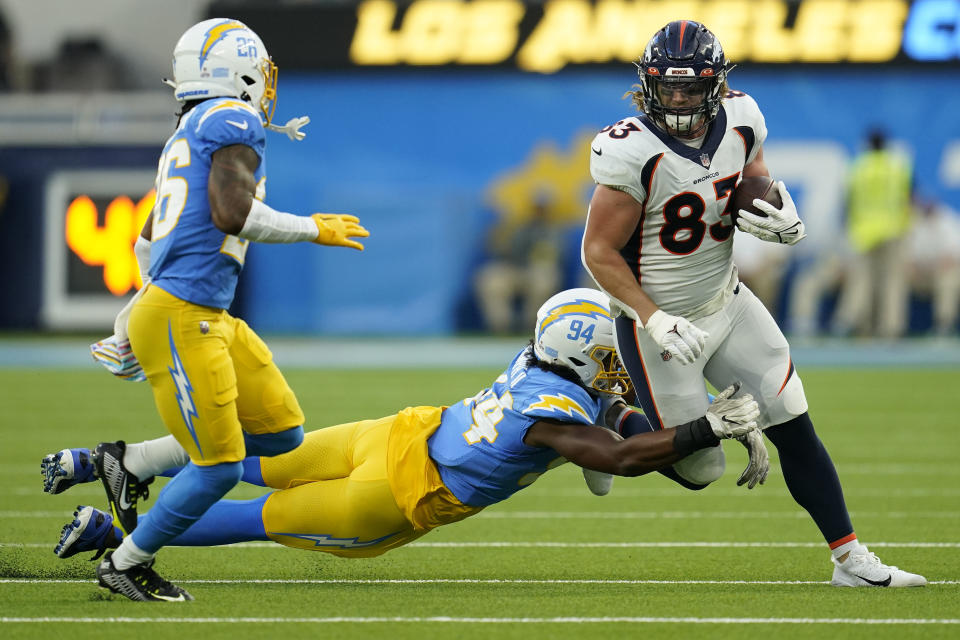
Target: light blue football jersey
[(189, 257), (479, 448)]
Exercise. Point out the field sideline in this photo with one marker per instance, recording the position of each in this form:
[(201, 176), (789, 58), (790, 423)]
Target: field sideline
[(554, 561)]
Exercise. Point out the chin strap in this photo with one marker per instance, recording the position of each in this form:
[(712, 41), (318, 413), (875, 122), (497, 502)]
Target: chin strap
[(292, 128)]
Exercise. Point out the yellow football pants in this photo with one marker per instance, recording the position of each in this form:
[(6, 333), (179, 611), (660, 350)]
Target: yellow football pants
[(212, 376), (335, 494)]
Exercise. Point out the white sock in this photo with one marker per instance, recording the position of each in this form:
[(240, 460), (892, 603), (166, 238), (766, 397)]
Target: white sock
[(129, 554), (153, 457), (848, 546)]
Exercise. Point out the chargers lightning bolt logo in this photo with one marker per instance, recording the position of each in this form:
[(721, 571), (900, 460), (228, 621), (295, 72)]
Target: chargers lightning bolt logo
[(326, 540), (579, 307), (217, 33), (184, 390), (561, 403)]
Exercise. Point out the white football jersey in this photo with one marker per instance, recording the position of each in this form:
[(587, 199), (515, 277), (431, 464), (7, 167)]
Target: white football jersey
[(682, 249)]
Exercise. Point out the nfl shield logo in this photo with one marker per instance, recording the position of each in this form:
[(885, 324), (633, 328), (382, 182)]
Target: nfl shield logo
[(705, 160)]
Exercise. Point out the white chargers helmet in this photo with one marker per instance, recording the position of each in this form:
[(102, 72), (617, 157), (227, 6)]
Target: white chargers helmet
[(575, 330), (223, 57)]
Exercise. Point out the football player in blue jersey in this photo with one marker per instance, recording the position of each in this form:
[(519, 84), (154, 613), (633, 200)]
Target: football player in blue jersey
[(360, 489), (213, 379)]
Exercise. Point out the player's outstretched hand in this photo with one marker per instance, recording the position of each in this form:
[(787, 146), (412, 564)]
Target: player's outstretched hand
[(336, 229), (759, 465), (782, 225), (678, 337), (611, 408), (731, 417), (117, 357)]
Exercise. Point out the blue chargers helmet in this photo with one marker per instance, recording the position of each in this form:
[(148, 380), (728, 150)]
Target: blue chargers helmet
[(575, 329), (686, 56)]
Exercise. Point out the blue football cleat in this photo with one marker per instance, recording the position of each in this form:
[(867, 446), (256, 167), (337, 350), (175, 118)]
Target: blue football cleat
[(67, 468), (90, 530)]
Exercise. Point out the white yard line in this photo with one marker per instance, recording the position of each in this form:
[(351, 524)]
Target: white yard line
[(488, 544), (697, 515), (673, 492), (388, 581), (463, 620), (792, 514)]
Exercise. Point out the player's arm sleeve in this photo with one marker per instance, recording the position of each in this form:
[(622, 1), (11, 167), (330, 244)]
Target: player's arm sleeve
[(228, 124), (611, 169)]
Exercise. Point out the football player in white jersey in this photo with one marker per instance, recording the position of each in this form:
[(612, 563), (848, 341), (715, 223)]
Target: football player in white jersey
[(659, 241)]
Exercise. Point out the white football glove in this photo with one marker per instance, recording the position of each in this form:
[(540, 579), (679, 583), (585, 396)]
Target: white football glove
[(759, 465), (733, 417), (292, 128), (782, 226), (598, 482), (678, 337), (611, 408)]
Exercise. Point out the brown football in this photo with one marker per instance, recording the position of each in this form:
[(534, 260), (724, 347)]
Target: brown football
[(752, 188)]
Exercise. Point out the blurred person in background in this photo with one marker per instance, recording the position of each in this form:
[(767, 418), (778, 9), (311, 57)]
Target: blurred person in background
[(659, 240), (823, 275), (83, 64), (934, 262), (214, 381), (875, 293), (363, 488), (524, 267)]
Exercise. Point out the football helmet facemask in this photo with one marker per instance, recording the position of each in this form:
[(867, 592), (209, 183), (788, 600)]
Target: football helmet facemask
[(575, 329), (222, 57), (683, 74)]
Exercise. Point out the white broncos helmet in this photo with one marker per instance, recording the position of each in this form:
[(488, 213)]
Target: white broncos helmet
[(223, 57), (575, 329)]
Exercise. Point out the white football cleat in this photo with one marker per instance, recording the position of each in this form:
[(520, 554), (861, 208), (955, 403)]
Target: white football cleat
[(598, 482), (864, 569)]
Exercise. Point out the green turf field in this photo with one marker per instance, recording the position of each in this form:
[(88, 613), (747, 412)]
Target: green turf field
[(649, 560)]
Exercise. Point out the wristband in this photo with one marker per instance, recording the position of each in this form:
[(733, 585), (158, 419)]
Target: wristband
[(631, 422), (694, 435), (264, 224)]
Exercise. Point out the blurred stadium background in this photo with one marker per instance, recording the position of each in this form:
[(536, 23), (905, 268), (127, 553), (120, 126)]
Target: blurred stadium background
[(434, 121)]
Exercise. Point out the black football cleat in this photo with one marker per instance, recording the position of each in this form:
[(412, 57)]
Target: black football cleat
[(140, 582), (123, 488)]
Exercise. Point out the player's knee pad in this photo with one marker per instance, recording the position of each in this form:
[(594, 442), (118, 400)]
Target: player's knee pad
[(780, 399), (216, 479), (273, 444), (702, 467)]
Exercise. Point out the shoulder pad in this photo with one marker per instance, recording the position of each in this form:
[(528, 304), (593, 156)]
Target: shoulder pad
[(565, 402), (230, 121), (741, 108), (619, 152), (743, 111)]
